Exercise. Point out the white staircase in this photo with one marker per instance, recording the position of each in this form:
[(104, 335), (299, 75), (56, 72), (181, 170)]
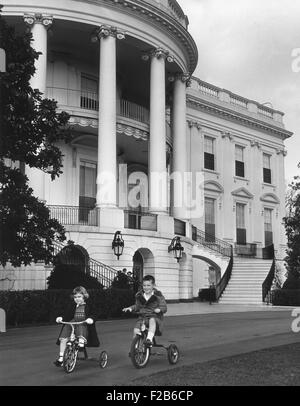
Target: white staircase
[(245, 284)]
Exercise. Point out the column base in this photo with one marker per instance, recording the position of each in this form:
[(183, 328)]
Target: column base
[(111, 218), (165, 224)]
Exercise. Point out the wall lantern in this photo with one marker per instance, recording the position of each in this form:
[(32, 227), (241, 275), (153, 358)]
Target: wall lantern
[(118, 244), (176, 247)]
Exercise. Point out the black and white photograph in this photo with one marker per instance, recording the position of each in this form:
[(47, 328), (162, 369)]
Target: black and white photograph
[(149, 196)]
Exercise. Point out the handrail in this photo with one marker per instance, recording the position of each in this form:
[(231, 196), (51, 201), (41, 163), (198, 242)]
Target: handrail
[(267, 284), (90, 101), (105, 274), (221, 285), (74, 215), (211, 242)]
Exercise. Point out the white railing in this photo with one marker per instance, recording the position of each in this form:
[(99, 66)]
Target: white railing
[(264, 111), (90, 101), (238, 101), (234, 99), (133, 111), (208, 89)]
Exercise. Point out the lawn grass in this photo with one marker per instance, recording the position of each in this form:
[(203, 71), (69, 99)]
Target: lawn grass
[(276, 366)]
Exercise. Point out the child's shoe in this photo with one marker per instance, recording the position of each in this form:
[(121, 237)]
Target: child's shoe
[(81, 343), (58, 362), (148, 343)]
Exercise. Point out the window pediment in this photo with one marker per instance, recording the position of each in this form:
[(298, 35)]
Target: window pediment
[(213, 186), (242, 192), (270, 198)]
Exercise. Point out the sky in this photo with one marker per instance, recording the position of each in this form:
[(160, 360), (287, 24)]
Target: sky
[(252, 48)]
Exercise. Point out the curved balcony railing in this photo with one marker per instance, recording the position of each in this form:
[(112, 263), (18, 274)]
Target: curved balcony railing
[(140, 220), (90, 101), (74, 215)]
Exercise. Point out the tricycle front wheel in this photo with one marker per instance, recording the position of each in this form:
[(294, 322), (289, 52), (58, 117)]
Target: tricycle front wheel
[(139, 352), (70, 358)]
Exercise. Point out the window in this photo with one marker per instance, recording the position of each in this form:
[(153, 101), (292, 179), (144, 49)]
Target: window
[(134, 221), (210, 228), (239, 161), (267, 176), (89, 93), (209, 156), (268, 227), (241, 237), (87, 189)]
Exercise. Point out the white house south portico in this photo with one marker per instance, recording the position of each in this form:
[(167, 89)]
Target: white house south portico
[(146, 133)]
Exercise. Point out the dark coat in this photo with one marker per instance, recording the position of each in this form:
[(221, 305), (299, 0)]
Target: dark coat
[(147, 307), (92, 339)]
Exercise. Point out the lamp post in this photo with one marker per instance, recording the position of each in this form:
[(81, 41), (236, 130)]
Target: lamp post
[(176, 247), (118, 244)]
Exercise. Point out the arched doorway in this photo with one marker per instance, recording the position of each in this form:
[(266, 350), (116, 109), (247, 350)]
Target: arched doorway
[(73, 257), (71, 269), (205, 273), (143, 264)]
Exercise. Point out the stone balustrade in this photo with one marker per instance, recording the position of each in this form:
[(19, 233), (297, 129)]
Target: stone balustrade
[(236, 101)]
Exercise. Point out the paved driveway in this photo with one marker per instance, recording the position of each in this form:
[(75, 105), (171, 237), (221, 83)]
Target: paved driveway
[(27, 354)]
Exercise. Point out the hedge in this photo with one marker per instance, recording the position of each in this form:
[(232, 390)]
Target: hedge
[(286, 297), (207, 295), (43, 306)]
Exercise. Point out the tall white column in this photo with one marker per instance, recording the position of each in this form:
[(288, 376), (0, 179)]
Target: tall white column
[(179, 147), (39, 25), (157, 150), (107, 131)]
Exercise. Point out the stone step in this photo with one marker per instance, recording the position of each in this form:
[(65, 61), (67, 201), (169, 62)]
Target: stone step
[(242, 297), (236, 278), (242, 302), (241, 289), (243, 294)]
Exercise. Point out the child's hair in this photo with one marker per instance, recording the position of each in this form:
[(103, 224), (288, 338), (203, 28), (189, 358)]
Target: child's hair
[(80, 290), (149, 278)]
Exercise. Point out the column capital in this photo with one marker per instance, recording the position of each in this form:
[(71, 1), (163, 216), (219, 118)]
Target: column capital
[(158, 53), (281, 151), (195, 124), (184, 77), (254, 143), (105, 31), (37, 18), (227, 134)]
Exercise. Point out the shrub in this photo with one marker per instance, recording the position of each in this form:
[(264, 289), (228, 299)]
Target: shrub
[(207, 295), (286, 297), (31, 307), (121, 281), (292, 282)]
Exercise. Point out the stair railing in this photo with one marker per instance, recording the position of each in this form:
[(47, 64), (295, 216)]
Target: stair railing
[(211, 242), (104, 273), (221, 285), (267, 284)]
